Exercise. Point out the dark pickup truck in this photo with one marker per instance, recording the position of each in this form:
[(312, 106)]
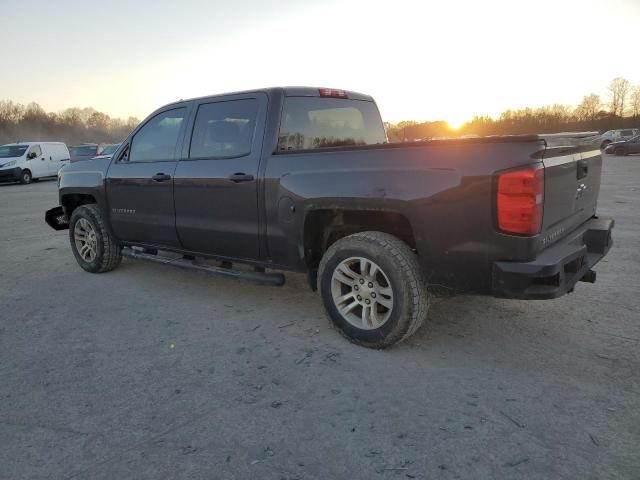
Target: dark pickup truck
[(303, 179)]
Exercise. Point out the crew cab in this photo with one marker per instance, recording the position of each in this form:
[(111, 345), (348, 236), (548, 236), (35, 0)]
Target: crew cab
[(303, 179)]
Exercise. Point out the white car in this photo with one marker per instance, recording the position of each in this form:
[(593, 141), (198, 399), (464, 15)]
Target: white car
[(27, 161), (617, 135)]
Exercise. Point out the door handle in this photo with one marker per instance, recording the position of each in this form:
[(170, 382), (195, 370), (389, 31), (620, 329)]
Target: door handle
[(161, 177), (240, 177)]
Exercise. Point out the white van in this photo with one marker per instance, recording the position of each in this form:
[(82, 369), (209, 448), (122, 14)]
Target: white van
[(26, 161)]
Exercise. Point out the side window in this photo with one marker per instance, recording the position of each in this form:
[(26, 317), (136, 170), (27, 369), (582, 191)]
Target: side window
[(34, 151), (157, 139), (224, 129), (309, 123)]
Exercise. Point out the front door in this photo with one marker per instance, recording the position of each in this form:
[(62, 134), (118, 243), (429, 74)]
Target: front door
[(36, 162), (216, 195), (140, 181)]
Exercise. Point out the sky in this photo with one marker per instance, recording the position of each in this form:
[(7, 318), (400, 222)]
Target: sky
[(420, 59)]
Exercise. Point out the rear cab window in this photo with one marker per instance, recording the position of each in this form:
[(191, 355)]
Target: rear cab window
[(310, 123), (84, 150)]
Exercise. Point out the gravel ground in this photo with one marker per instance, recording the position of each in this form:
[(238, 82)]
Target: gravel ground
[(150, 372)]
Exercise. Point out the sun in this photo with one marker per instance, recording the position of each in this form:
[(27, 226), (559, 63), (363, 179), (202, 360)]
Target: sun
[(455, 124)]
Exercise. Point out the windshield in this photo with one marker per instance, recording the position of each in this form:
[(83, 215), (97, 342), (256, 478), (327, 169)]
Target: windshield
[(83, 150), (10, 151), (110, 149)]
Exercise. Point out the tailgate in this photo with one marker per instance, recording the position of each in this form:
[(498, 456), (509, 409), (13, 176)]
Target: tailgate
[(572, 184)]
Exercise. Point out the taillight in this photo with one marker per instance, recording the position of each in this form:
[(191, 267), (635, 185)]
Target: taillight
[(330, 92), (520, 200)]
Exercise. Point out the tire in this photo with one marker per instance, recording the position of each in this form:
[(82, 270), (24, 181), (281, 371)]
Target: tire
[(26, 177), (107, 252), (620, 151), (398, 281)]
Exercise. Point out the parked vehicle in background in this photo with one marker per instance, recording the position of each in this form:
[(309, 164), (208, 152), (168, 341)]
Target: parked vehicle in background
[(624, 147), (107, 151), (611, 136), (83, 152), (303, 179), (27, 161)]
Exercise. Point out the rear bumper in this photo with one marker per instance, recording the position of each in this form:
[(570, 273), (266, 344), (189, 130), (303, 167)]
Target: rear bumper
[(557, 269), (10, 174)]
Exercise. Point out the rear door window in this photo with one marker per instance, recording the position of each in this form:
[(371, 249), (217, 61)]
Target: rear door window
[(312, 122), (224, 129)]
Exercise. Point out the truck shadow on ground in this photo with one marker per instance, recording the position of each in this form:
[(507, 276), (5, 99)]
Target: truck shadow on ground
[(479, 323)]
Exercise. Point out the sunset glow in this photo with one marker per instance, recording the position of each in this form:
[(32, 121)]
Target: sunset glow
[(420, 60), (455, 124)]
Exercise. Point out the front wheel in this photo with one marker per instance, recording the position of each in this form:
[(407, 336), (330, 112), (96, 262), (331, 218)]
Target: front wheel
[(373, 289), (94, 246), (26, 177)]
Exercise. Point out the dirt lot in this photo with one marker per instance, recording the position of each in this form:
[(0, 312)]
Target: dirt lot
[(151, 372)]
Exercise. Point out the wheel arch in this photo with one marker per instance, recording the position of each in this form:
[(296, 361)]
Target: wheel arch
[(71, 201), (323, 227)]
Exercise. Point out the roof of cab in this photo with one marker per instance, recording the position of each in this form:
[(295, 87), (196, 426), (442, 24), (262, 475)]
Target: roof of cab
[(288, 92), (315, 92)]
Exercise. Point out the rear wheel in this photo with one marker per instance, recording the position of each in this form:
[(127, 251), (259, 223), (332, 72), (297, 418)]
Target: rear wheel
[(373, 289), (620, 151), (94, 246), (25, 177)]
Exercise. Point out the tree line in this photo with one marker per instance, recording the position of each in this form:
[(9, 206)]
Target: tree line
[(73, 126), (620, 109)]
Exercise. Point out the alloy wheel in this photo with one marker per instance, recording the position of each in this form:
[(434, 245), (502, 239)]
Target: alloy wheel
[(86, 240), (362, 293)]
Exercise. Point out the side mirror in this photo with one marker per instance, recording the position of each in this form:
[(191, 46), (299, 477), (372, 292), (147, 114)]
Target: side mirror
[(31, 156)]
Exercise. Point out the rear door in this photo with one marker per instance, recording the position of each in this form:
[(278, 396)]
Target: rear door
[(51, 154), (63, 157), (216, 194), (140, 181)]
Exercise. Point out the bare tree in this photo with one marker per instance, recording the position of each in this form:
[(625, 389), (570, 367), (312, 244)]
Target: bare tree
[(589, 107), (73, 125), (634, 102), (618, 91)]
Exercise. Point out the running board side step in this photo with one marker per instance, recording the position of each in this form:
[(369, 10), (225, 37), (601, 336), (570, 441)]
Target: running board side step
[(261, 278)]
